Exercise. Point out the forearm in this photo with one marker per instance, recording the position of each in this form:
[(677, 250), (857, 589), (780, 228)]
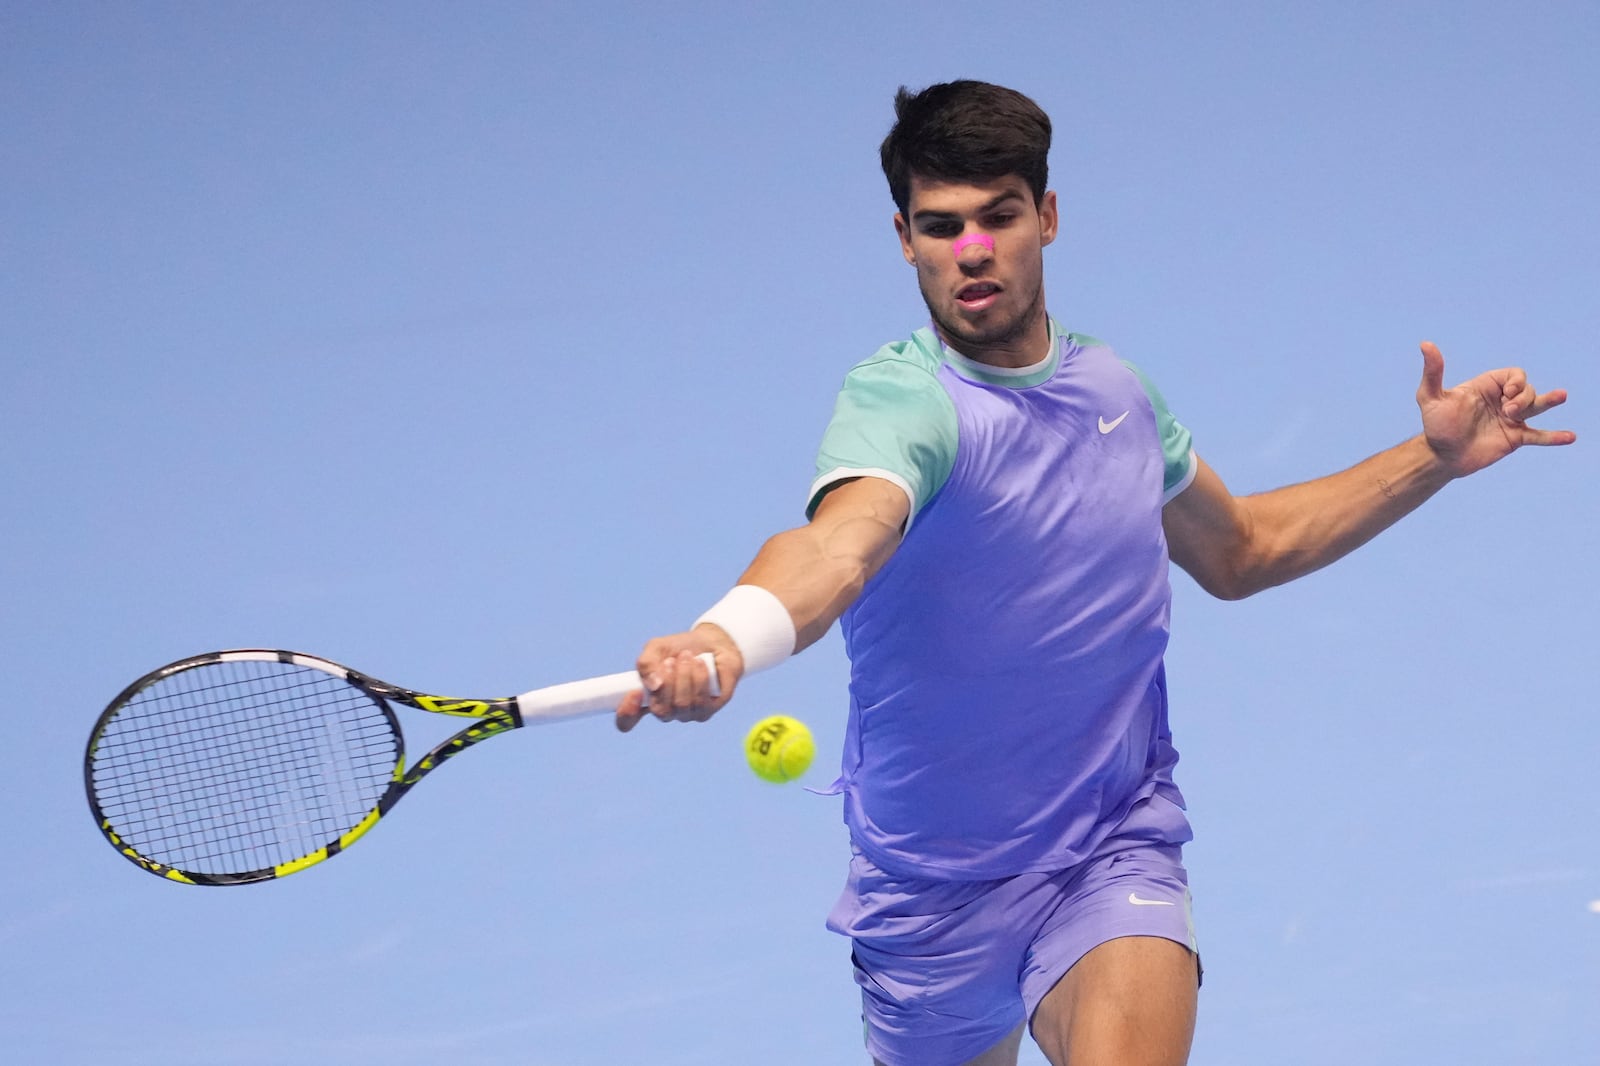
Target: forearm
[(818, 570), (1295, 530), (803, 579)]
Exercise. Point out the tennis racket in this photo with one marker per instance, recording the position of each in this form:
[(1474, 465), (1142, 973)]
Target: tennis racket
[(242, 766)]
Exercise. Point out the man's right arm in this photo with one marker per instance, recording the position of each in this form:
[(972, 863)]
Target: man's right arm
[(815, 571)]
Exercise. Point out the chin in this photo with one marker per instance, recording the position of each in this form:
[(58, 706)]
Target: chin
[(988, 334)]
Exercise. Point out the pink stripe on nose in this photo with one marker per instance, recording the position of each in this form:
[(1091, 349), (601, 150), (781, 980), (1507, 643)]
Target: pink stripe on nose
[(972, 238)]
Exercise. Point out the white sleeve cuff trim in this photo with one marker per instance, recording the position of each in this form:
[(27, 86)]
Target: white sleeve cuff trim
[(1188, 479), (846, 473)]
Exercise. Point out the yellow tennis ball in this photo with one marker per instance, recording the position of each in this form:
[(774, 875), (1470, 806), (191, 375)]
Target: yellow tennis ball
[(779, 748)]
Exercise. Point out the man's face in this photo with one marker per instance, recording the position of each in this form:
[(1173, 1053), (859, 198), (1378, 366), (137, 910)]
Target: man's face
[(984, 302)]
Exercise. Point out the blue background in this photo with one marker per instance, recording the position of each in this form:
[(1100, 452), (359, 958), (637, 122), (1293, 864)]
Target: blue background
[(471, 345)]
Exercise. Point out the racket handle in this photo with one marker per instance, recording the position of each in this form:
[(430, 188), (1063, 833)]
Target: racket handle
[(593, 695)]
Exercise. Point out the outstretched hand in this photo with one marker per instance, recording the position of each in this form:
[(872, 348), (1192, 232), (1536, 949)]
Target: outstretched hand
[(1481, 421)]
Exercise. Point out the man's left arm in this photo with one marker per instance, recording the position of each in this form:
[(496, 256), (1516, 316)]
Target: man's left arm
[(1235, 546)]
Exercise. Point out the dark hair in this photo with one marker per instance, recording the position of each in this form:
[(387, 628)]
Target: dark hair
[(965, 131)]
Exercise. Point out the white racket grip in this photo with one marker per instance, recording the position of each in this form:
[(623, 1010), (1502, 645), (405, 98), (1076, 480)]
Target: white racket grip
[(592, 695)]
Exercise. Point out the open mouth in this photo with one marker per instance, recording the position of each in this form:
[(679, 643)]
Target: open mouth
[(978, 296)]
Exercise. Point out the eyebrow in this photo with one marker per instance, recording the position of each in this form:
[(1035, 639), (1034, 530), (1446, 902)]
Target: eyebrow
[(930, 215)]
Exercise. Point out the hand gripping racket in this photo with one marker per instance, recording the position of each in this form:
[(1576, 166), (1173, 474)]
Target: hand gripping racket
[(242, 766)]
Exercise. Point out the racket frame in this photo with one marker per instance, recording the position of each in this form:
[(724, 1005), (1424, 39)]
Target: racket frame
[(491, 718)]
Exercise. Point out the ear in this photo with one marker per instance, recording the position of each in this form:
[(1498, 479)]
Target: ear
[(903, 231), (1049, 219)]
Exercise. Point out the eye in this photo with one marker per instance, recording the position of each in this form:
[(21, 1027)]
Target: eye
[(1001, 220), (942, 229)]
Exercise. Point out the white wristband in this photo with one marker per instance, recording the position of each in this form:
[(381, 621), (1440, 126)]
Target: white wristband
[(758, 623)]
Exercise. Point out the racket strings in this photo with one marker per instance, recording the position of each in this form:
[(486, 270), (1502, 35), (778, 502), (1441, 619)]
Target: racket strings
[(234, 767)]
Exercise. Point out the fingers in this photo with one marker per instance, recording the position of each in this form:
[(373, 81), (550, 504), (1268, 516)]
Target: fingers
[(1432, 387), (1520, 401), (1547, 437), (683, 692), (1506, 392), (1530, 404), (631, 710), (1517, 397), (677, 683)]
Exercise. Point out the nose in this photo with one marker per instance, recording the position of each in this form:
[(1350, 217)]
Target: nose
[(964, 245)]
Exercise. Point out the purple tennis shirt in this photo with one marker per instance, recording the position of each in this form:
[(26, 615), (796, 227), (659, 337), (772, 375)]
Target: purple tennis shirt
[(1008, 701)]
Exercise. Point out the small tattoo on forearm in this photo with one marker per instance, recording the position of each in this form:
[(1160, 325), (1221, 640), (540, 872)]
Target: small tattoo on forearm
[(1387, 491)]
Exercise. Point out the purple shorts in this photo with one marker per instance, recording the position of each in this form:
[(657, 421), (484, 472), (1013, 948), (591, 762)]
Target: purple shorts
[(948, 968)]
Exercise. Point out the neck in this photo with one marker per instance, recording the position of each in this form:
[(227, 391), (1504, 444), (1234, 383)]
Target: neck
[(1025, 346)]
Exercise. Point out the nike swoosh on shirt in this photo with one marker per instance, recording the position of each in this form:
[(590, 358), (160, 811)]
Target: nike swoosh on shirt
[(1133, 898), (1107, 427)]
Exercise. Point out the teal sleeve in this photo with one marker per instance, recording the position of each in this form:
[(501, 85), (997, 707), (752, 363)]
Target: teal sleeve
[(892, 420), (1177, 445)]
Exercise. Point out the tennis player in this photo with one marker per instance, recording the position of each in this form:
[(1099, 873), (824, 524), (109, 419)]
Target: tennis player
[(996, 502)]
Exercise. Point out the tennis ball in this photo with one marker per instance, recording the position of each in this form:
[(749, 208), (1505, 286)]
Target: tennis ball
[(779, 748)]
